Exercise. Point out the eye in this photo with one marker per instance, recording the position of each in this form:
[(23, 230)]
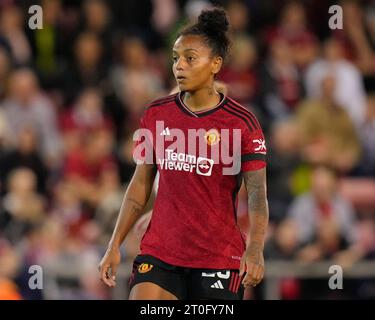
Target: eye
[(190, 58), (174, 59)]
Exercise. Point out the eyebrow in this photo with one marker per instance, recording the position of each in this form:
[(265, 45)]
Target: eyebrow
[(190, 49)]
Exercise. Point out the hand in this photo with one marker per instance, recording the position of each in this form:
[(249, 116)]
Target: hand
[(252, 263), (108, 266)]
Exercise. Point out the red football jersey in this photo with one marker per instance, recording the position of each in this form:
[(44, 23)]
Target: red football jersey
[(200, 157)]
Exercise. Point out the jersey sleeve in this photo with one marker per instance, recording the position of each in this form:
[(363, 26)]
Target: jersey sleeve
[(253, 150)]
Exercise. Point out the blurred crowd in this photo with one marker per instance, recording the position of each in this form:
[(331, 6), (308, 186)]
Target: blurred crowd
[(72, 93)]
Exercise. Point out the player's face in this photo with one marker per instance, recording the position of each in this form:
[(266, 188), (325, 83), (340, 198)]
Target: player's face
[(194, 66)]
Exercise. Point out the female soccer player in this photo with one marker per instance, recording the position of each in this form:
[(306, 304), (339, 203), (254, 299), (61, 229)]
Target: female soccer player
[(193, 248)]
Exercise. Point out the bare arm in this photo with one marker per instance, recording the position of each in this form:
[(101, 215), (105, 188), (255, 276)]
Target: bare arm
[(252, 262), (135, 199), (255, 183), (133, 204)]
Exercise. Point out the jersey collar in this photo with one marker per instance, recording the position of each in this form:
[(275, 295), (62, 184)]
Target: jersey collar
[(180, 103)]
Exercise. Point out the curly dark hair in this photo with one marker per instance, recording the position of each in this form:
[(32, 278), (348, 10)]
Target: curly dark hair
[(213, 26)]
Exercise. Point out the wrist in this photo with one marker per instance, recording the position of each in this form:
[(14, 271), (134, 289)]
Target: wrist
[(255, 246), (113, 245)]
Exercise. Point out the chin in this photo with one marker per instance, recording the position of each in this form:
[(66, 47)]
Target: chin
[(183, 87), (188, 88)]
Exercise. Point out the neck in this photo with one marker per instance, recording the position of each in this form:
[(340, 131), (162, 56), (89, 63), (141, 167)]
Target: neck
[(201, 99)]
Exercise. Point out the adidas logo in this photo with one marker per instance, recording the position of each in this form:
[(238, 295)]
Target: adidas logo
[(165, 132), (217, 285)]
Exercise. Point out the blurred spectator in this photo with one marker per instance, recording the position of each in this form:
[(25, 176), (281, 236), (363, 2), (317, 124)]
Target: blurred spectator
[(90, 286), (23, 206), (5, 68), (46, 241), (327, 134), (323, 218), (293, 28), (25, 155), (164, 15), (284, 245), (3, 131), (9, 266), (47, 43), (27, 106), (285, 241), (98, 20), (239, 16), (52, 46), (190, 10), (327, 242), (366, 166), (358, 38), (349, 91), (360, 191), (88, 68), (12, 30), (240, 73), (68, 209), (136, 17), (85, 117), (107, 210), (84, 167), (281, 89), (362, 248), (283, 151), (134, 82)]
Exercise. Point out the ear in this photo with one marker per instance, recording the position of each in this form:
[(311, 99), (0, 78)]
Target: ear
[(217, 62)]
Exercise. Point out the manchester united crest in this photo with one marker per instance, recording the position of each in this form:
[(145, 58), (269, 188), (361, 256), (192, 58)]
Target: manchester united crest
[(145, 267), (212, 137)]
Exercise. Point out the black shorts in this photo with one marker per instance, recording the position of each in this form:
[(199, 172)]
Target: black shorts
[(187, 283)]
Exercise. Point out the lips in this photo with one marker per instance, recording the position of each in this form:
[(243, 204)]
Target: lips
[(180, 78)]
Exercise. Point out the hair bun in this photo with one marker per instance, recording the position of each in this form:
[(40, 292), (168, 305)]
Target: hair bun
[(212, 26), (213, 21)]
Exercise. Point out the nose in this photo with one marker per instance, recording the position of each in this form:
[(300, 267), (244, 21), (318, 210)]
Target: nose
[(179, 65)]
